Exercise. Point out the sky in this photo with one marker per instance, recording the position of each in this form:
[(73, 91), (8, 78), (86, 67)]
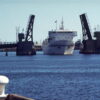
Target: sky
[(15, 13)]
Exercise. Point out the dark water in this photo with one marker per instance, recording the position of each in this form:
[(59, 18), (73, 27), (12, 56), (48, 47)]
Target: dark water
[(43, 77)]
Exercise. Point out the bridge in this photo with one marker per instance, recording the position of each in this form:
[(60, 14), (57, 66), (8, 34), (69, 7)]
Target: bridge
[(7, 45), (24, 44), (12, 46)]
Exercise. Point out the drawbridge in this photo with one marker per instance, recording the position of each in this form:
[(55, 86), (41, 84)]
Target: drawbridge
[(25, 44), (90, 45)]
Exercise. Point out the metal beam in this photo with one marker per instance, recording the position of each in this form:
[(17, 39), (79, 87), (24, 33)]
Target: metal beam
[(85, 27), (29, 30)]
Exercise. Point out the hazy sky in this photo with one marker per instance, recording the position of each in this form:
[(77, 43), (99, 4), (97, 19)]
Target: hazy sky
[(16, 12)]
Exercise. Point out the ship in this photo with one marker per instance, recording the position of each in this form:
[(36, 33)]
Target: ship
[(59, 42)]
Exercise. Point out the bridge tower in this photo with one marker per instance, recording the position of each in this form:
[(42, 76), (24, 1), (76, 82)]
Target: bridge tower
[(88, 42), (25, 44)]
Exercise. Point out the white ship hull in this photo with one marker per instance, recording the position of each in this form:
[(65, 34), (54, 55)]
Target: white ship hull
[(58, 49)]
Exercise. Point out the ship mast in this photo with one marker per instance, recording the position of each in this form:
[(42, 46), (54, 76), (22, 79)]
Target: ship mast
[(56, 24), (62, 24)]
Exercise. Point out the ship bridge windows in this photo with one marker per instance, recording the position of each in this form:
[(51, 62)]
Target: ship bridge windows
[(51, 38)]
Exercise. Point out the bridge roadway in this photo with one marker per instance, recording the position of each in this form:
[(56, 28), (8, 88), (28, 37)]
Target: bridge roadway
[(8, 45), (11, 46)]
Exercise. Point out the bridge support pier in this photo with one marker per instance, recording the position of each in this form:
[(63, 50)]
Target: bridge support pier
[(25, 48)]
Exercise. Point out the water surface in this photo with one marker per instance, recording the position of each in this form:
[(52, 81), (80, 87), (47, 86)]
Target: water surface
[(44, 77)]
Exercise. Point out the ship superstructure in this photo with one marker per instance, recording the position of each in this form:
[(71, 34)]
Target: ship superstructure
[(59, 42)]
